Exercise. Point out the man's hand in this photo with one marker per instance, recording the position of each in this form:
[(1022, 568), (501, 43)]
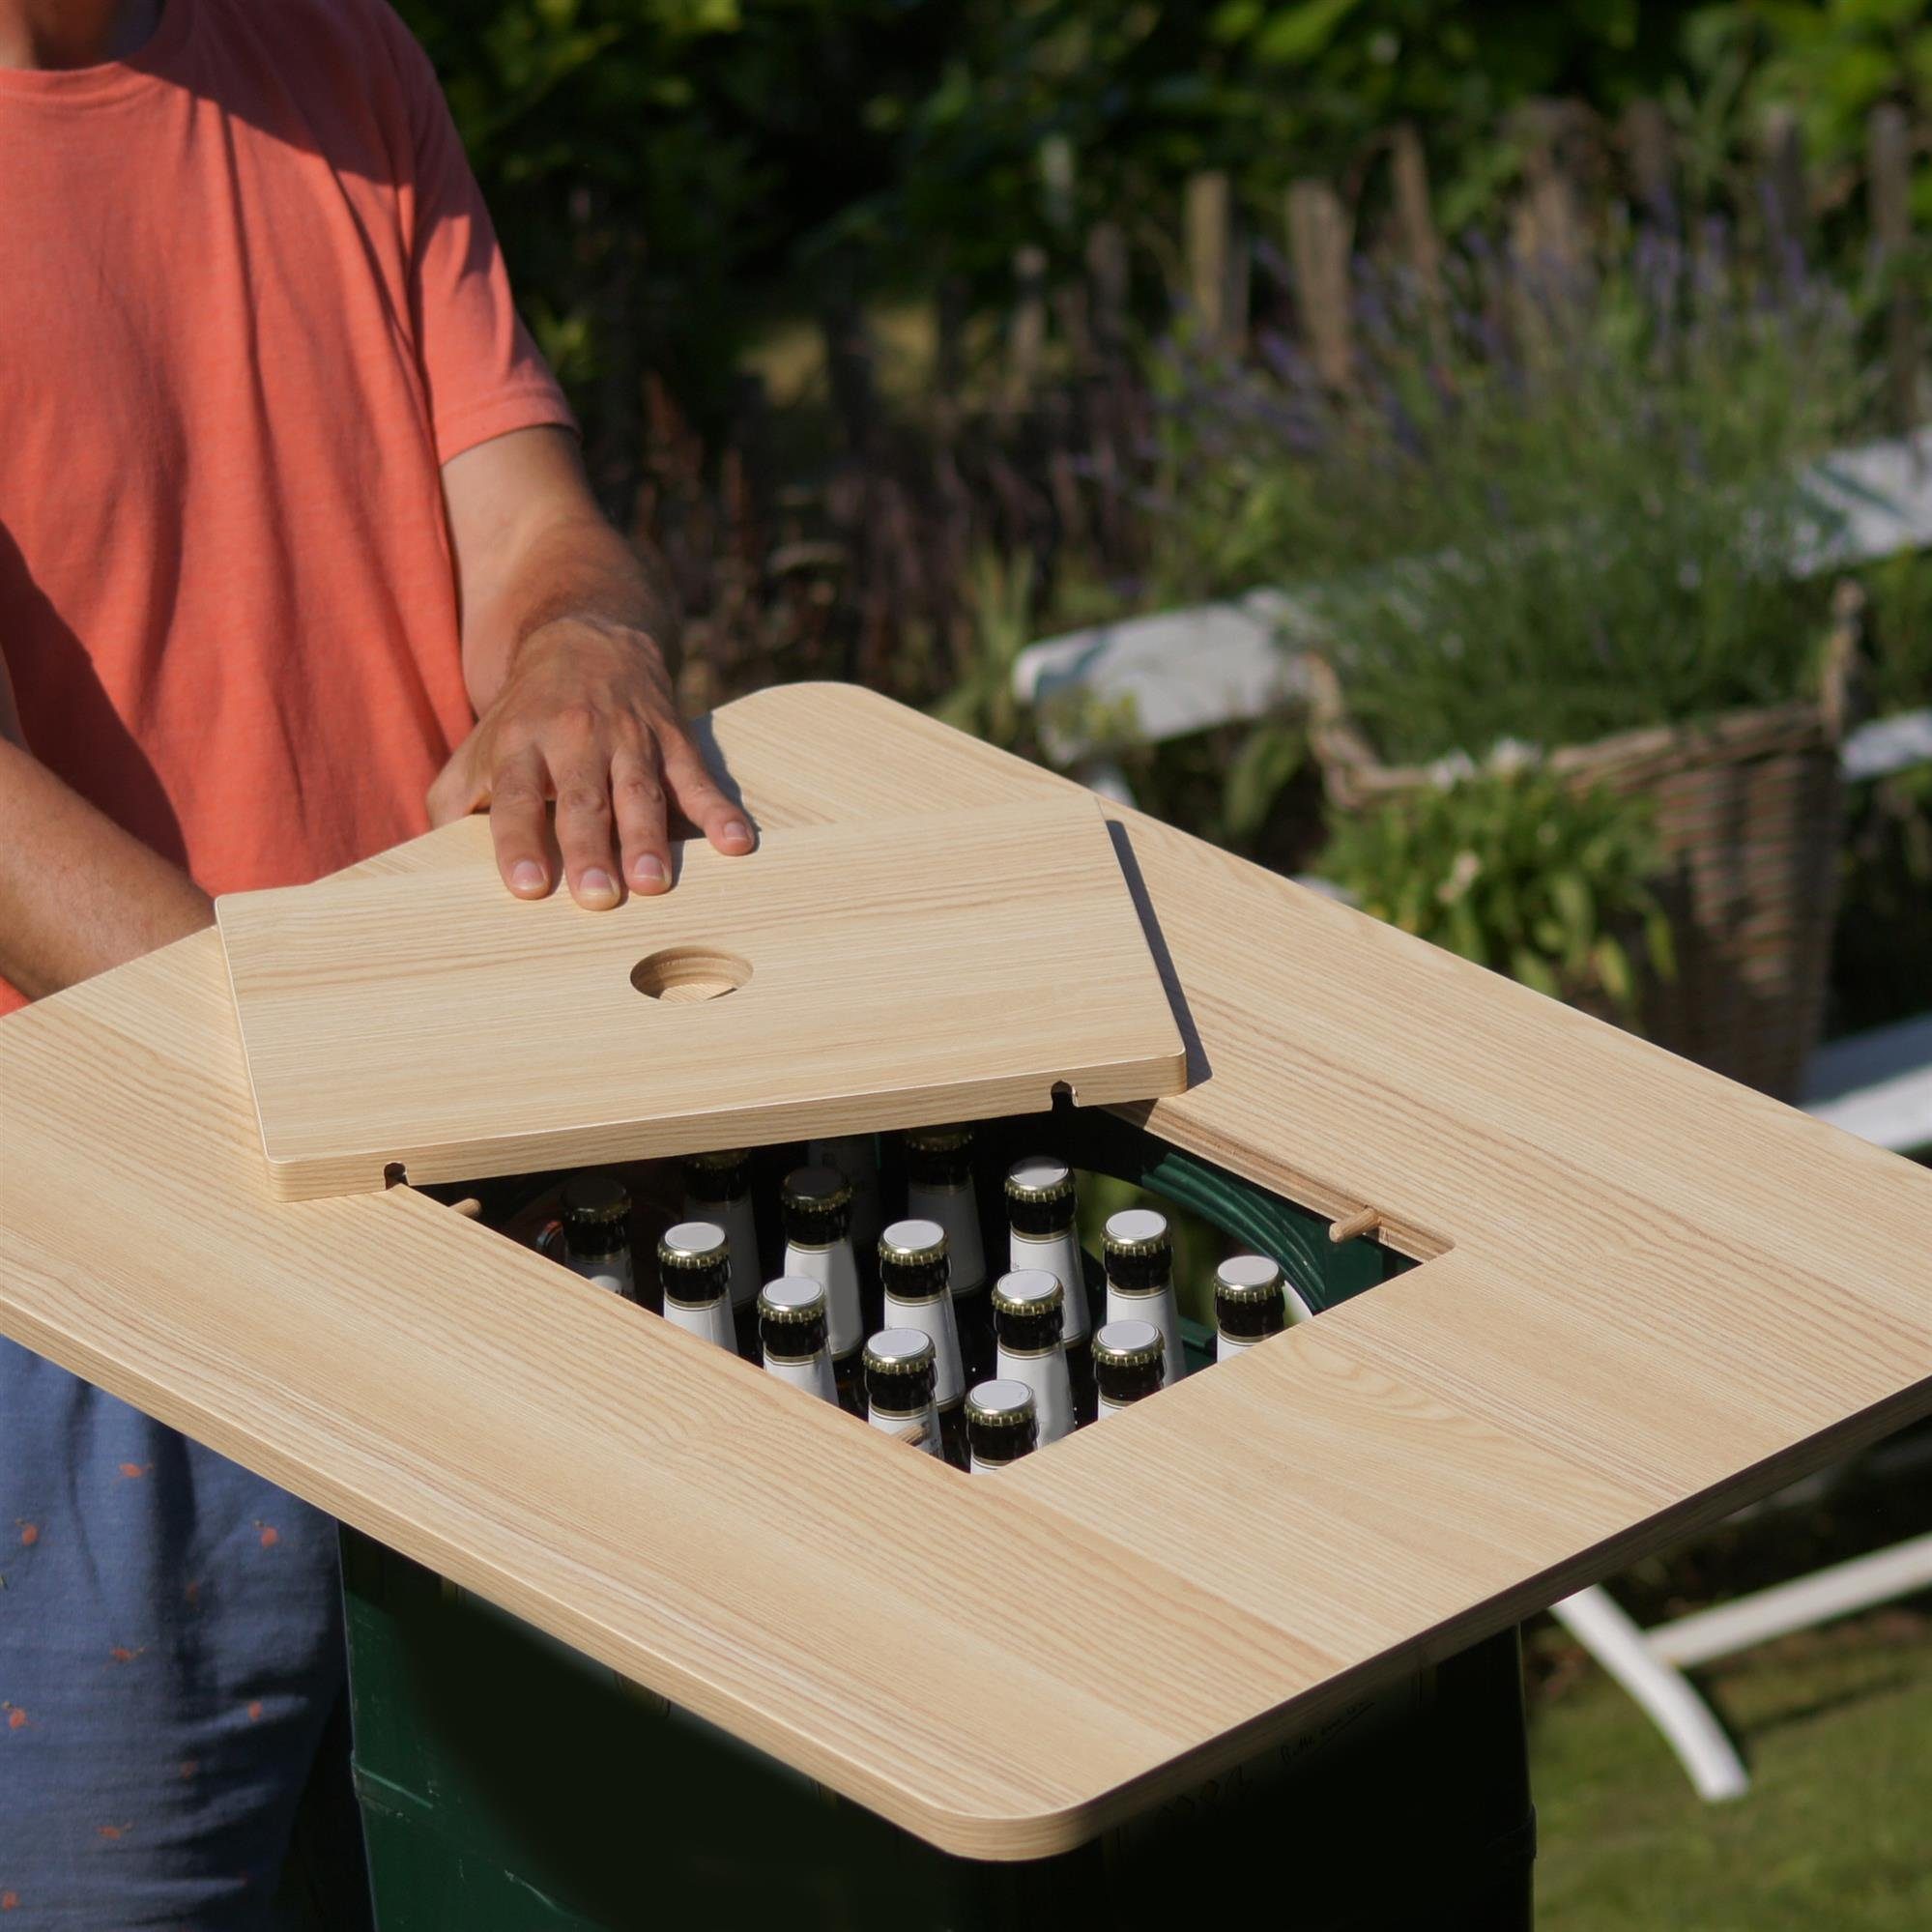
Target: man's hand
[(586, 717), (562, 625)]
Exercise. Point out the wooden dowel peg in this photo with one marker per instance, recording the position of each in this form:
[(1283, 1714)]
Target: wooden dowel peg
[(1365, 1222)]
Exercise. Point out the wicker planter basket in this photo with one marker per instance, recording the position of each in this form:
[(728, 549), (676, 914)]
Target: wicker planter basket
[(1747, 815)]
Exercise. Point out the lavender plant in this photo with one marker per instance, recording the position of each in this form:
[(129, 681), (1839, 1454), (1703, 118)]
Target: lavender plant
[(1556, 501)]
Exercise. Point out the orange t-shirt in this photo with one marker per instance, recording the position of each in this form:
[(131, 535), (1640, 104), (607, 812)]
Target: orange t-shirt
[(251, 301)]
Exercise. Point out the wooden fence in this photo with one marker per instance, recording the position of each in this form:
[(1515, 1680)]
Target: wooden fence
[(1578, 176), (1031, 448)]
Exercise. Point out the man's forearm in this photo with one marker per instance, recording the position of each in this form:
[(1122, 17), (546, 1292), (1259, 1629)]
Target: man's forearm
[(532, 549), (78, 894), (575, 568)]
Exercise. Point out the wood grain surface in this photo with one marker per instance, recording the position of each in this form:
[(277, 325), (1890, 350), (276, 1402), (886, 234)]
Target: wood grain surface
[(1654, 1296), (445, 1025)]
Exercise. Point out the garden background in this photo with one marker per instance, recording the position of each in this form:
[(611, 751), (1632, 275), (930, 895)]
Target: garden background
[(915, 331)]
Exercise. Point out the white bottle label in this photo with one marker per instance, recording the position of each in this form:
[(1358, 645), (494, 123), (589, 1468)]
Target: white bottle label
[(1103, 1408), (814, 1375), (1060, 1255), (957, 1211), (934, 1318), (610, 1272), (1046, 1375), (741, 1225), (712, 1322), (896, 1426), (1155, 1305), (835, 1270)]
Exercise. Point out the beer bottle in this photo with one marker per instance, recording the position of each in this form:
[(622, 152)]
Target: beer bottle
[(1250, 1304), (1139, 1260), (1128, 1358), (717, 1188), (855, 1157), (898, 1385), (694, 1269), (1040, 1214), (939, 1186), (816, 1205), (1001, 1424), (596, 1231), (1027, 1316), (791, 1334), (912, 1273)]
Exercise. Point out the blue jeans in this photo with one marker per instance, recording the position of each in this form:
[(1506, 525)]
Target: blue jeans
[(170, 1649)]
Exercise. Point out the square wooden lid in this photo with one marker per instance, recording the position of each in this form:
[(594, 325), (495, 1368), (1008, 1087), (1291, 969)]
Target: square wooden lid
[(891, 973)]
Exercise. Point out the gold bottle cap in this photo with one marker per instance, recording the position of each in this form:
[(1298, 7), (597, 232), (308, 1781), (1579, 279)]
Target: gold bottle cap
[(720, 1158), (899, 1351), (1039, 1178), (1136, 1231), (1000, 1404), (1027, 1291), (791, 1298), (938, 1139), (1245, 1279), (692, 1244), (913, 1241), (1129, 1344), (816, 1187), (596, 1198)]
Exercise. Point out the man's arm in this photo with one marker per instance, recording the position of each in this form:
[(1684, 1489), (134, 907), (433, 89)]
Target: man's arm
[(78, 894), (564, 629)]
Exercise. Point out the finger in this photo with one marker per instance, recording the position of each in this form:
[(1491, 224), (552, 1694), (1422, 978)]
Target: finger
[(637, 796), (517, 826), (702, 800), (454, 794), (584, 831)]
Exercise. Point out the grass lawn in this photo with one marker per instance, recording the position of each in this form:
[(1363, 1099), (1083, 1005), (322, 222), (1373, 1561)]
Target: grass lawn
[(1834, 1835)]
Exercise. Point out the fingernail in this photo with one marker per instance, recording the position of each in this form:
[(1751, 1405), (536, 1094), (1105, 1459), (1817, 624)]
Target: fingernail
[(526, 875), (738, 829), (598, 883), (649, 871)]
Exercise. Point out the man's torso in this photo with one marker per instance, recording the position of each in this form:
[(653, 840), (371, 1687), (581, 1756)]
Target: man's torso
[(225, 592)]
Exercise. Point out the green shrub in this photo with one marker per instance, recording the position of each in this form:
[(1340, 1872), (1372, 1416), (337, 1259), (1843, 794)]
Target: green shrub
[(1519, 872)]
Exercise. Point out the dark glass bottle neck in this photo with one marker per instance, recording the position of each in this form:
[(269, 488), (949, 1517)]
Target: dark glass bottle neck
[(952, 1168), (900, 1393), (1000, 1442), (593, 1240), (707, 1183), (1248, 1317), (1127, 1382), (1140, 1274), (810, 1226), (697, 1288), (791, 1341), (905, 1281), (1040, 1220), (1031, 1334)]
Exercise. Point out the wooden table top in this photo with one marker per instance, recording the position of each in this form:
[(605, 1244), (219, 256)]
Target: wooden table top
[(1648, 1296)]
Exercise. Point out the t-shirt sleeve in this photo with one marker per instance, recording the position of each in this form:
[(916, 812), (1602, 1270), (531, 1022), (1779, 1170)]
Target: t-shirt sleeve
[(482, 374)]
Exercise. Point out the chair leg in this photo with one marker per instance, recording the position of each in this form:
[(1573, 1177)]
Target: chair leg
[(1595, 1619)]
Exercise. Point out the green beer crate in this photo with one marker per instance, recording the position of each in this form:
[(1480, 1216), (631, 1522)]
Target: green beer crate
[(508, 1784)]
